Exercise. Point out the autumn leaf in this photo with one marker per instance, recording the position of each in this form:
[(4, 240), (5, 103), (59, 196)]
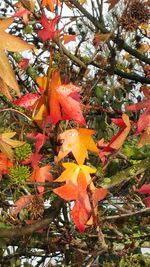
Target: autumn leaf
[(143, 124), (21, 203), (145, 189), (23, 64), (118, 140), (39, 138), (82, 208), (27, 101), (10, 43), (40, 175), (50, 4), (29, 4), (49, 28), (77, 142), (112, 3), (100, 38), (69, 38), (5, 164), (6, 143), (72, 171), (22, 12), (4, 89), (64, 101)]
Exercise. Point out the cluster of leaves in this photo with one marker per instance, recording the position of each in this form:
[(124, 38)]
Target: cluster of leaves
[(51, 103)]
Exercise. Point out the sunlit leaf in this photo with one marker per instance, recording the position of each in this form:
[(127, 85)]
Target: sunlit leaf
[(77, 142), (72, 172), (13, 44), (6, 143)]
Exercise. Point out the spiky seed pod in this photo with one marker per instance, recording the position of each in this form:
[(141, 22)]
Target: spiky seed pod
[(19, 174), (138, 12), (36, 207), (23, 152)]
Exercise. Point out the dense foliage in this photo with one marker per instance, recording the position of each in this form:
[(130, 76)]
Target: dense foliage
[(75, 133)]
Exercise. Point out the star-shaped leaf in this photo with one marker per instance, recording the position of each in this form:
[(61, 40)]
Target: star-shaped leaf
[(50, 4), (77, 142), (73, 171), (49, 30), (10, 43), (64, 101), (41, 175), (82, 208), (6, 143)]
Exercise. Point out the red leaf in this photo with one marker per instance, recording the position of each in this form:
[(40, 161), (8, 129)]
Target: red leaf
[(49, 28), (21, 203), (63, 101), (82, 208), (98, 194), (117, 141), (71, 106), (148, 201), (145, 189), (24, 13), (27, 101), (79, 216), (23, 64), (40, 140), (143, 124)]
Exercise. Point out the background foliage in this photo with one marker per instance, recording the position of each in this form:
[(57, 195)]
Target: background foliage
[(74, 135)]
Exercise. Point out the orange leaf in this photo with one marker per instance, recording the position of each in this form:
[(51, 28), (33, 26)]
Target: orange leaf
[(5, 164), (68, 38), (64, 101), (50, 4), (72, 172), (82, 208), (21, 203), (77, 142), (40, 175)]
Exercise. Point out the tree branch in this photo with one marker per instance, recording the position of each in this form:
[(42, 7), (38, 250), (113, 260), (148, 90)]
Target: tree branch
[(12, 233), (127, 214), (125, 175), (103, 29)]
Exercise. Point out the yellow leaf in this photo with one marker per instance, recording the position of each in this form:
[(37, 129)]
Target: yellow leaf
[(13, 44), (6, 143), (42, 112), (29, 4), (77, 142), (72, 172), (4, 89), (82, 2)]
